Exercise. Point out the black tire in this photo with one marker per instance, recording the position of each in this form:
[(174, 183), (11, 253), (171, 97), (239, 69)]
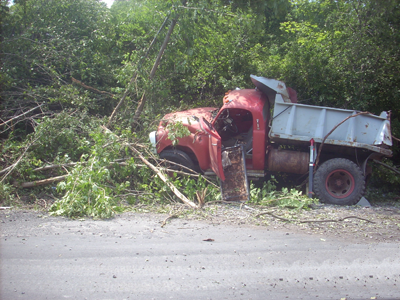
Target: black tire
[(179, 157), (339, 181)]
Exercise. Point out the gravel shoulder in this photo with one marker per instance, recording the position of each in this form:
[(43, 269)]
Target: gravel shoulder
[(357, 224), (378, 223)]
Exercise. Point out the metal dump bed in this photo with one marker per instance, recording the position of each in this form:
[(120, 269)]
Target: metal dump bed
[(294, 122)]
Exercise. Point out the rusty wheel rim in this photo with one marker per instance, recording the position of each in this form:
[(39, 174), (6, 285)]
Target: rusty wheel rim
[(340, 183)]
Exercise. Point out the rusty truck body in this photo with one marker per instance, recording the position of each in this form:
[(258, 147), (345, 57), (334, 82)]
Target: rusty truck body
[(275, 133)]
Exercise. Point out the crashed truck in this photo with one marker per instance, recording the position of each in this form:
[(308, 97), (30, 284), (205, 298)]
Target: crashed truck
[(330, 146)]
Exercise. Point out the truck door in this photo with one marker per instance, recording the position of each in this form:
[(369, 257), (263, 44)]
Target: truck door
[(215, 149)]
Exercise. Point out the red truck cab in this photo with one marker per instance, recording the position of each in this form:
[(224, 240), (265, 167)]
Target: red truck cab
[(242, 119)]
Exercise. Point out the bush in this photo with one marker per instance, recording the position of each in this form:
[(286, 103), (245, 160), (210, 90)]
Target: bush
[(385, 180), (6, 194), (268, 195), (89, 188)]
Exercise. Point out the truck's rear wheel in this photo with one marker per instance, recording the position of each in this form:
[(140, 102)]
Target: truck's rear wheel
[(178, 157), (339, 181)]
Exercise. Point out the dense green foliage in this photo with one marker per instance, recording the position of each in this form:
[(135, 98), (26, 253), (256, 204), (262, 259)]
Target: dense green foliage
[(267, 194), (67, 63)]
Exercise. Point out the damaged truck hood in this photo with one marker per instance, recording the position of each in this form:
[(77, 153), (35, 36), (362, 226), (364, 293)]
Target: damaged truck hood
[(191, 117)]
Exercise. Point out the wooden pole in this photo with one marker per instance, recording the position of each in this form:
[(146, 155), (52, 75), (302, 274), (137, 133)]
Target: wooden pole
[(133, 78), (161, 52), (142, 102)]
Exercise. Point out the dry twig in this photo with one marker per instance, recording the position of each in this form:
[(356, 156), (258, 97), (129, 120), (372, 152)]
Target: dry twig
[(311, 221), (168, 218), (201, 195), (220, 201), (12, 167), (23, 114), (94, 90), (272, 215), (339, 220)]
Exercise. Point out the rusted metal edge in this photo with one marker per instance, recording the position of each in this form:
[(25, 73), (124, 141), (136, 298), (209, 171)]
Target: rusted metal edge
[(249, 173), (226, 186), (291, 138)]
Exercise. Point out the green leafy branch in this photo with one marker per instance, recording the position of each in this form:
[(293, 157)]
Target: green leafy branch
[(177, 130), (267, 195)]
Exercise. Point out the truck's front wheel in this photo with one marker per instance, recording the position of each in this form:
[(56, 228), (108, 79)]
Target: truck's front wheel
[(179, 158), (339, 181)]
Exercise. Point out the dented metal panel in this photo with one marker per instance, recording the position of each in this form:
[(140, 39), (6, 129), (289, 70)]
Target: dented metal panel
[(235, 187), (287, 161), (271, 87)]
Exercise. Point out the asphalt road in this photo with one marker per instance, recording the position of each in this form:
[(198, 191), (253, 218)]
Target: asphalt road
[(132, 257)]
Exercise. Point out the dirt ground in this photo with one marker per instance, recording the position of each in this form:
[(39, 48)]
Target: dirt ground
[(378, 223)]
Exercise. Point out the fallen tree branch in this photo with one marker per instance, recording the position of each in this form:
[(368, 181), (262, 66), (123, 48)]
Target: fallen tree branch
[(50, 167), (6, 169), (192, 173), (90, 88), (386, 166), (169, 217), (164, 178), (17, 162), (23, 114), (339, 220), (221, 201), (272, 215), (60, 178), (42, 182), (121, 162), (159, 174), (311, 221), (31, 118)]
